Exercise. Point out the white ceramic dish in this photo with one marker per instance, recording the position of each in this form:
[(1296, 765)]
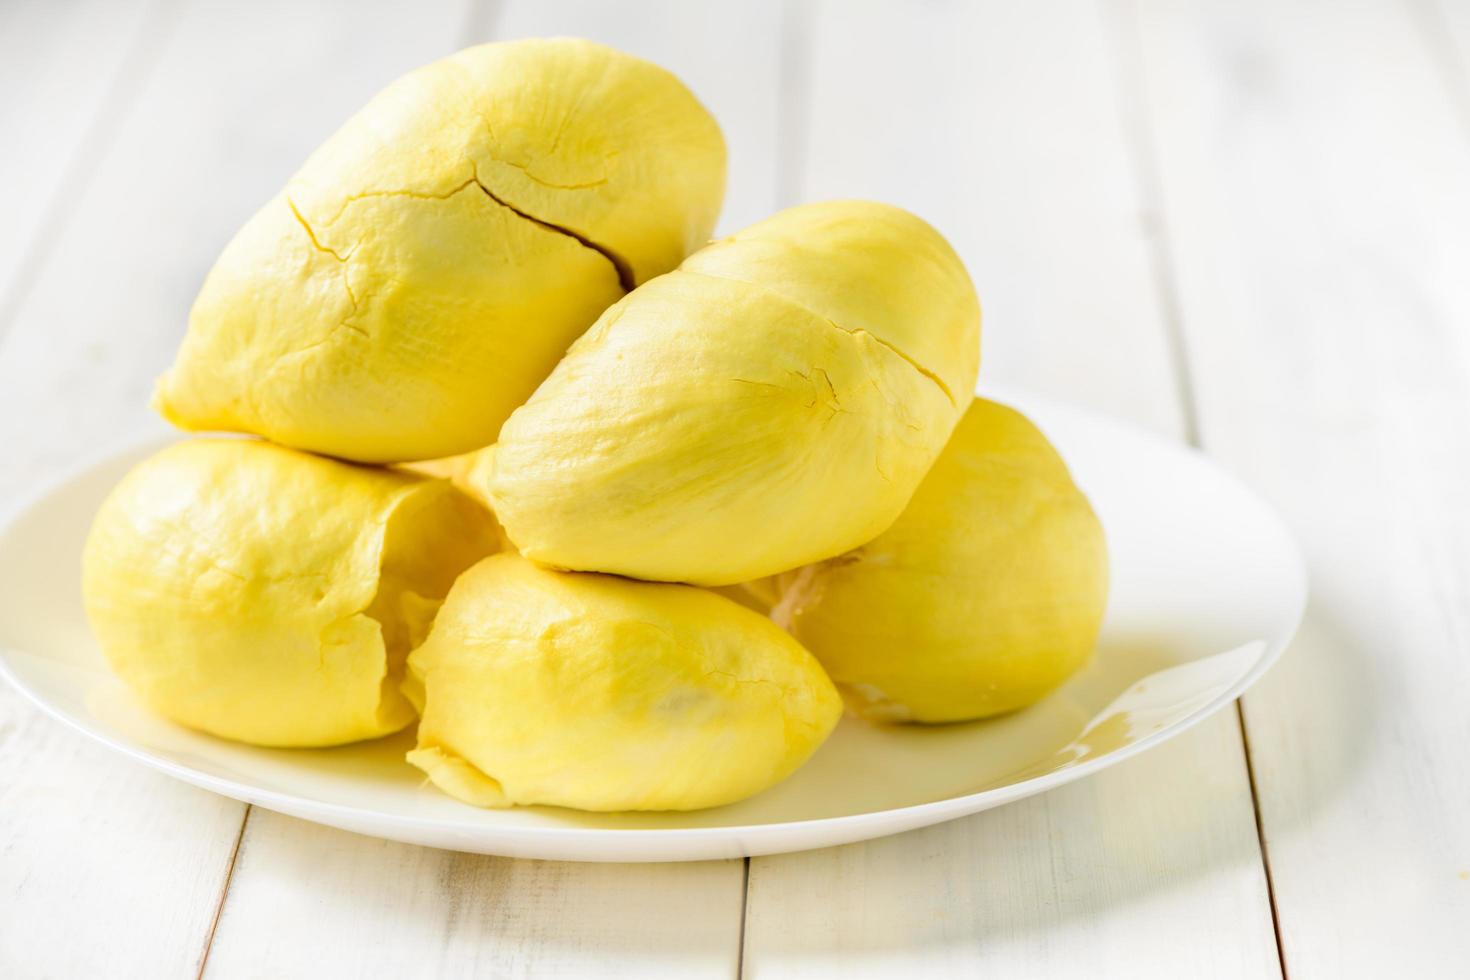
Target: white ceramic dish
[(1207, 589)]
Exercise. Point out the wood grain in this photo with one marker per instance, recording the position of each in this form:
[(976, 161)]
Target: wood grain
[(1002, 125), (1314, 185)]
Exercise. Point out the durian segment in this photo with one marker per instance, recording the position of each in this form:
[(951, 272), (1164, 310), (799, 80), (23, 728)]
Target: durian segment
[(271, 596), (714, 429), (985, 595), (601, 693), (437, 319), (428, 265), (867, 267), (610, 147)]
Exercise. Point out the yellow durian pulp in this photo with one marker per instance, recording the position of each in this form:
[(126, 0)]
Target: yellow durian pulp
[(601, 693), (270, 596), (429, 264), (984, 595), (773, 402)]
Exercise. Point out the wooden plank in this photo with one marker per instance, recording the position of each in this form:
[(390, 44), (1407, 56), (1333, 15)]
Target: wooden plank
[(65, 68), (1314, 179), (106, 869), (377, 908), (307, 900), (109, 869), (1001, 124)]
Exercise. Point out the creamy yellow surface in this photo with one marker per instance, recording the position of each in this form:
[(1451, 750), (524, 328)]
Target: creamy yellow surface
[(270, 596), (601, 693), (430, 262), (773, 402), (983, 596)]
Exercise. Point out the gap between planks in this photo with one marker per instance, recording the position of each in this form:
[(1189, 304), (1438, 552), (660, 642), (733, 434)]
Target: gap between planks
[(744, 916), (224, 892), (1250, 773), (1130, 90), (480, 22), (795, 88), (1139, 128)]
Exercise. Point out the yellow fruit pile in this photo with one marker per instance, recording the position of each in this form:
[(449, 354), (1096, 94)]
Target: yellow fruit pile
[(494, 273)]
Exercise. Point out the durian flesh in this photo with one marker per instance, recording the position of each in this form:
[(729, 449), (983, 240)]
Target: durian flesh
[(774, 401), (601, 693), (430, 262), (270, 596), (985, 594)]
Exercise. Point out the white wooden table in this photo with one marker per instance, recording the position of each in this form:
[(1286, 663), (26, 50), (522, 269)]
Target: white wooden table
[(1242, 223)]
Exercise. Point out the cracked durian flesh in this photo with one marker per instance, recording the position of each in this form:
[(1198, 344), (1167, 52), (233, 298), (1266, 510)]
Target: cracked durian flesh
[(985, 594), (602, 693), (430, 262), (773, 402), (270, 596)]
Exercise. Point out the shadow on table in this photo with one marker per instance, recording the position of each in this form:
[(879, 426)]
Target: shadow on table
[(1175, 823), (1171, 828)]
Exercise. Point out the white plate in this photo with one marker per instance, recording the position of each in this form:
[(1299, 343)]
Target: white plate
[(1208, 588)]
